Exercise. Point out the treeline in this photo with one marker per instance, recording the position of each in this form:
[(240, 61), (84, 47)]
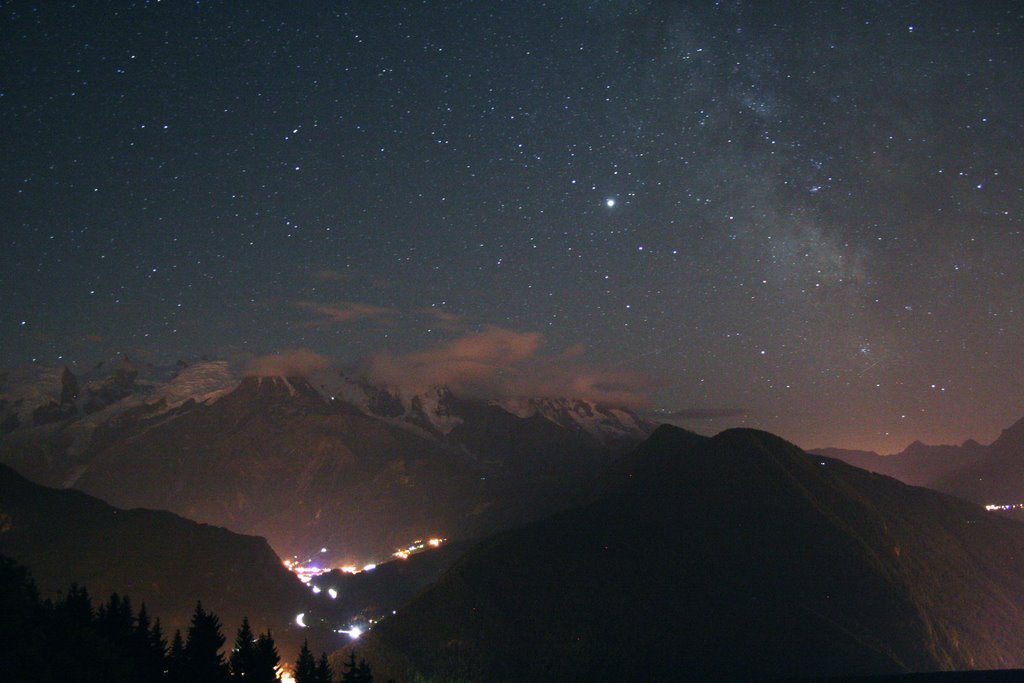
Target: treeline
[(70, 641)]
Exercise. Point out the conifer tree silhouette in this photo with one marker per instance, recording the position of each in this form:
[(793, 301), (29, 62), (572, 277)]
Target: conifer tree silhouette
[(204, 662)]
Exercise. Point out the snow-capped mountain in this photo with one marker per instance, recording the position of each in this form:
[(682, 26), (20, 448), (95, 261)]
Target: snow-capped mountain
[(326, 461), (438, 411), (605, 423)]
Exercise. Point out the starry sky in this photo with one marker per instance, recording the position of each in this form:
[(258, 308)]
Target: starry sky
[(800, 216)]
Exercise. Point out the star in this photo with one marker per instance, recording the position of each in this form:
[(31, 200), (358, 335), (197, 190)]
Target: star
[(610, 202)]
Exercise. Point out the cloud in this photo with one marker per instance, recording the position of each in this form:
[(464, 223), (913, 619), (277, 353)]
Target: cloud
[(443, 319), (696, 413), (573, 351), (552, 378), (461, 363), (347, 311), (294, 363), (498, 362)]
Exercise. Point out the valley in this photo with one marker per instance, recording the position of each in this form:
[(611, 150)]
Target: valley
[(419, 522)]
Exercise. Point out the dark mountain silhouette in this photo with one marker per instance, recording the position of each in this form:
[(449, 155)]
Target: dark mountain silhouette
[(733, 557), (154, 557), (918, 464), (997, 476), (988, 475)]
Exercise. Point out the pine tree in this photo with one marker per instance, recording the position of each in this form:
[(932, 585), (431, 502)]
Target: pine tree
[(158, 647), (305, 666), (267, 659), (356, 673), (147, 648), (324, 674), (77, 605), (115, 620), (204, 662), (243, 655), (364, 674), (176, 659)]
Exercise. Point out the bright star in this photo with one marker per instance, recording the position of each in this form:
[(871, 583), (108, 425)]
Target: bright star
[(610, 202)]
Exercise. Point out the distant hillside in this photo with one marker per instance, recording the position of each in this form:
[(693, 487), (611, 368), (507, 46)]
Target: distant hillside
[(918, 464), (988, 475), (158, 558), (734, 557), (997, 476)]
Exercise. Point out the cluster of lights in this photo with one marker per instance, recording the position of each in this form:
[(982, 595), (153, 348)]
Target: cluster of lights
[(305, 571), (1013, 506), (417, 546), (352, 632)]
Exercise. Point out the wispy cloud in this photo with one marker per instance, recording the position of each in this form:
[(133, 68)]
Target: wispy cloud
[(347, 311), (462, 362), (501, 362), (444, 319)]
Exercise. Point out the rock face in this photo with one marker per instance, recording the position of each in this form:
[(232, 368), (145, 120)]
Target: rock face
[(736, 557), (358, 469), (154, 557)]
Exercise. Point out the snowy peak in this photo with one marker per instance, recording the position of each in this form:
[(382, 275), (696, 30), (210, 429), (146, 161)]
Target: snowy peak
[(429, 411), (602, 422), (279, 395), (438, 411), (39, 396)]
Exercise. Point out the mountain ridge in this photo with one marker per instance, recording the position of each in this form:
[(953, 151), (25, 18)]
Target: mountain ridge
[(807, 567), (369, 468), (155, 557)]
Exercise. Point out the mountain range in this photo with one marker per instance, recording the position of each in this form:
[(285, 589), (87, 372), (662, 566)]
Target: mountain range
[(307, 463), (990, 474), (588, 544), (736, 557)]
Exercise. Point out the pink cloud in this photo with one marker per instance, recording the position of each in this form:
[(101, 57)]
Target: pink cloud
[(463, 362), (445, 320), (498, 362), (348, 311)]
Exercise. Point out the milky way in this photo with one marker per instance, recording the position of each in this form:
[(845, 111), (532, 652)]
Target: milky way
[(804, 217)]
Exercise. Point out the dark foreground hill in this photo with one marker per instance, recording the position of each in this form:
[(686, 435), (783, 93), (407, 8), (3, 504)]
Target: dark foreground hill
[(165, 561), (734, 557)]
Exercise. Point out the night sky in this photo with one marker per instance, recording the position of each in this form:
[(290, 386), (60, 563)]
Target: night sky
[(804, 217)]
